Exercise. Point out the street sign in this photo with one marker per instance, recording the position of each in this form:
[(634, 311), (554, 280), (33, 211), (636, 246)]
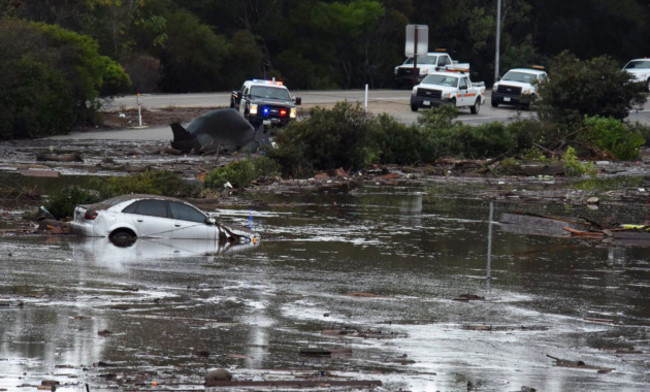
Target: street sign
[(416, 34)]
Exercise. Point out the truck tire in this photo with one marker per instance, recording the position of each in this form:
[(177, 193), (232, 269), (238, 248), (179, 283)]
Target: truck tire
[(494, 102), (414, 107), (474, 109), (648, 84)]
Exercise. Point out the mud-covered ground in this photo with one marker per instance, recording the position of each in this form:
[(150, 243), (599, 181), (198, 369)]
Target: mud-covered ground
[(29, 167)]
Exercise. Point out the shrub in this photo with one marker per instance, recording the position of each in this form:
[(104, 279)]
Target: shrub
[(50, 79), (613, 136), (643, 129), (162, 182), (240, 174), (393, 142), (592, 87), (328, 139), (573, 166), (61, 204)]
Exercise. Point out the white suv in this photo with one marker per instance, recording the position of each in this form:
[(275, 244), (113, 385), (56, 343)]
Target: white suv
[(640, 69)]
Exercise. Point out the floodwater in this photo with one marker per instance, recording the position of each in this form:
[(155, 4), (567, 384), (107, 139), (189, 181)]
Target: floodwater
[(373, 277)]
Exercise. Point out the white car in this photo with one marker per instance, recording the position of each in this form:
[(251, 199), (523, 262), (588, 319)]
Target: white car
[(123, 219), (518, 87), (453, 88), (640, 69)]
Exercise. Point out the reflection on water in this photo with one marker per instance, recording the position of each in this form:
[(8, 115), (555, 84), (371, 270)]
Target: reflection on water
[(382, 265)]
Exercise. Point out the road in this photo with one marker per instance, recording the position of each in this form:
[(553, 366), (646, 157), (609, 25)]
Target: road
[(394, 102)]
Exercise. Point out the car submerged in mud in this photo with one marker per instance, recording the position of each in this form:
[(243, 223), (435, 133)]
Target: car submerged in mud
[(125, 218)]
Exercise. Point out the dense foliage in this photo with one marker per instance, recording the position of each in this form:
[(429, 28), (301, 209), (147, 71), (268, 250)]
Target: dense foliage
[(191, 45), (50, 79), (587, 88)]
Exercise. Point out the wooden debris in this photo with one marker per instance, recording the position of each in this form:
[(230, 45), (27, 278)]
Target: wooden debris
[(366, 295), (585, 234), (300, 384), (578, 365), (72, 157), (469, 297), (40, 173), (315, 352), (599, 320)]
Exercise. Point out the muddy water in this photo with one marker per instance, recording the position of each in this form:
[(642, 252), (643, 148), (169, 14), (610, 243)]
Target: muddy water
[(375, 277)]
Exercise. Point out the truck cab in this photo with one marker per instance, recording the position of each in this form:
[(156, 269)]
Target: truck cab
[(518, 87), (447, 87), (430, 62), (265, 102), (640, 69)]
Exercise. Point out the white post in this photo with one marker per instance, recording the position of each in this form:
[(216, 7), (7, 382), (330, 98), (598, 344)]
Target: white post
[(139, 110), (365, 99)]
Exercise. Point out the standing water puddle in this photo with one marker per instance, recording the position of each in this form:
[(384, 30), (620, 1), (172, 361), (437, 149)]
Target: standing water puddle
[(385, 284)]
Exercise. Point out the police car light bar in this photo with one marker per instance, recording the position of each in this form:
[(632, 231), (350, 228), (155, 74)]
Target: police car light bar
[(277, 83)]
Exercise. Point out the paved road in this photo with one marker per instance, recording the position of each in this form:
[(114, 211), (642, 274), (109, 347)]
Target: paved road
[(393, 102)]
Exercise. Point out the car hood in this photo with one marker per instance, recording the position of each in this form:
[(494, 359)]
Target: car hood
[(272, 102), (523, 85)]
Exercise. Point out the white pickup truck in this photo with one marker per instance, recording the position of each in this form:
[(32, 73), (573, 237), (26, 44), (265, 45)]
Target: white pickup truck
[(430, 62), (447, 87)]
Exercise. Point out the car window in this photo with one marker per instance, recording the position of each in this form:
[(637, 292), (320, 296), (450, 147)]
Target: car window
[(270, 92), (148, 207), (444, 60), (184, 212), (638, 64)]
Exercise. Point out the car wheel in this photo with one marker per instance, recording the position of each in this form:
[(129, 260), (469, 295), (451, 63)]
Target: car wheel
[(414, 107), (122, 237), (648, 84), (476, 107), (494, 102)]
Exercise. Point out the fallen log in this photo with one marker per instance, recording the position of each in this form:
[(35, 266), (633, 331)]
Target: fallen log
[(578, 365), (72, 157)]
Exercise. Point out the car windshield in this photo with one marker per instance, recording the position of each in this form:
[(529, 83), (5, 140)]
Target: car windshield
[(427, 60), (270, 92), (516, 76), (638, 64), (441, 80)]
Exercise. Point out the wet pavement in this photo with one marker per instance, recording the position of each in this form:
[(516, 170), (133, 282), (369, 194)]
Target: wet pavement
[(412, 286)]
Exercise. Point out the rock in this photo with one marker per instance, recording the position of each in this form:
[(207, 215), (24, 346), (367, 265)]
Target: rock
[(593, 200), (215, 376)]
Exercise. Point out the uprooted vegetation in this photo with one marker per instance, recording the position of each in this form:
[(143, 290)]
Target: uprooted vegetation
[(347, 137)]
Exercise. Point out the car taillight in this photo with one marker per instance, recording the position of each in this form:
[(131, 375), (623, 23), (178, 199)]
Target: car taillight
[(90, 215)]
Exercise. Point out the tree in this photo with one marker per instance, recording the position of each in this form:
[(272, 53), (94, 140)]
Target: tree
[(593, 87), (51, 79)]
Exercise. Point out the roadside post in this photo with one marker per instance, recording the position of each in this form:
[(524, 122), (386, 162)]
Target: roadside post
[(365, 99), (137, 100), (417, 41)]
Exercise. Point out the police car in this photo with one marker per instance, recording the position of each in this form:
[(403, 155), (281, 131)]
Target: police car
[(518, 87), (640, 69), (265, 102)]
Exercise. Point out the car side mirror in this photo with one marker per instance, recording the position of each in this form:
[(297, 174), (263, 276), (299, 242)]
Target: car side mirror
[(463, 87), (297, 100), (210, 221)]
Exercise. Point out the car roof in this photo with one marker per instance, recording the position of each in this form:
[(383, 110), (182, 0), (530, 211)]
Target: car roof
[(449, 73), (266, 83), (528, 70), (104, 204)]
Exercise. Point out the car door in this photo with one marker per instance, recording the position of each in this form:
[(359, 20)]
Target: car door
[(150, 217), (189, 223), (466, 98)]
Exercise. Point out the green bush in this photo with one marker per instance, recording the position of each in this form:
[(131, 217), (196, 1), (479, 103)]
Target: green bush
[(240, 174), (61, 204), (613, 136), (643, 129), (328, 139), (50, 79), (592, 87), (393, 142), (162, 182), (573, 166)]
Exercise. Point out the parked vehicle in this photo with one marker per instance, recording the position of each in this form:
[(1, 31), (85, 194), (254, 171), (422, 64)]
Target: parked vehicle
[(640, 69), (453, 88), (430, 62), (518, 87), (265, 102), (124, 218)]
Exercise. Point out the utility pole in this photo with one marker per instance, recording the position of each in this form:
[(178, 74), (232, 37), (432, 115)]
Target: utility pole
[(498, 43)]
